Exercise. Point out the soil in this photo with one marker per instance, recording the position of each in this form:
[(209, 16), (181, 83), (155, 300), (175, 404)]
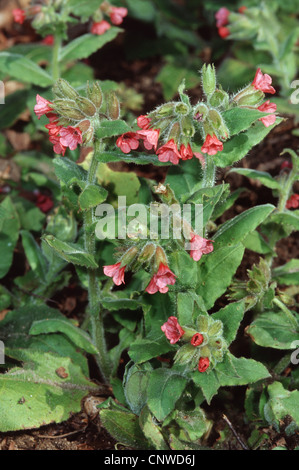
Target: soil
[(83, 431)]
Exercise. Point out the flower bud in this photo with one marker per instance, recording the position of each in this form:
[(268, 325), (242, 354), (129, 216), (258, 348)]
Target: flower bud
[(175, 132), (160, 257), (129, 256), (208, 76), (147, 253), (165, 110), (203, 323), (68, 109), (187, 354), (249, 96), (181, 109), (219, 98), (85, 105), (94, 93), (201, 112), (113, 107), (215, 119), (187, 126), (215, 328), (63, 89)]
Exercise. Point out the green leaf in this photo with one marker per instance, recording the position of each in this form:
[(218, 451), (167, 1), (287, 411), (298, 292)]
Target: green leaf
[(288, 274), (112, 304), (273, 330), (112, 128), (216, 270), (282, 403), (71, 252), (53, 325), (85, 45), (231, 317), (15, 104), (165, 387), (286, 218), (151, 430), (83, 8), (137, 158), (185, 179), (240, 119), (236, 229), (135, 387), (185, 268), (255, 242), (265, 178), (34, 255), (9, 234), (31, 217), (23, 69), (68, 171), (91, 196), (239, 145)]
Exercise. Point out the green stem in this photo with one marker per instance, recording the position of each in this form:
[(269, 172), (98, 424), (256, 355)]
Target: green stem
[(95, 314), (286, 311), (55, 58)]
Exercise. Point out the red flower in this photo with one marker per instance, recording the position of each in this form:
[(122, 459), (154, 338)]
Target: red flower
[(160, 280), (197, 339), (223, 32), (100, 28), (116, 272), (293, 202), (117, 14), (169, 153), (242, 9), (150, 138), (128, 142), (186, 152), (173, 331), (212, 145), (200, 246), (44, 203), (143, 122), (42, 106), (48, 40), (268, 107), (286, 164), (19, 15), (222, 17), (263, 82), (203, 364), (70, 137)]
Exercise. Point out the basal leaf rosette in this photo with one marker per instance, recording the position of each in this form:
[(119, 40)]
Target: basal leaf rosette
[(204, 344)]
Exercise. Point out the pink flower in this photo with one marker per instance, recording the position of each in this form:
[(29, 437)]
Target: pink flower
[(242, 9), (160, 280), (268, 107), (263, 82), (196, 339), (70, 137), (42, 106), (186, 152), (223, 32), (293, 202), (200, 246), (150, 138), (212, 145), (169, 153), (44, 203), (200, 157), (143, 122), (100, 28), (19, 15), (117, 15), (203, 364), (286, 164), (128, 142), (48, 40), (116, 272), (222, 17), (173, 331)]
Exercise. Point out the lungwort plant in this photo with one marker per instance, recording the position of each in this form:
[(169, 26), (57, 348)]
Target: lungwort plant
[(158, 290)]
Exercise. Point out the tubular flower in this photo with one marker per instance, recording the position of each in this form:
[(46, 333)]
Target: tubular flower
[(100, 27), (70, 137), (173, 331), (203, 364), (268, 107), (161, 280), (293, 202), (197, 339), (263, 82), (143, 122), (200, 246), (117, 15), (212, 145), (223, 32), (19, 15), (150, 138), (222, 17), (116, 272), (48, 40), (127, 142), (186, 152), (169, 153), (42, 106)]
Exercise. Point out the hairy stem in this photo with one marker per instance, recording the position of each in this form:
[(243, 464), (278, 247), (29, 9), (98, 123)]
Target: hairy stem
[(55, 57)]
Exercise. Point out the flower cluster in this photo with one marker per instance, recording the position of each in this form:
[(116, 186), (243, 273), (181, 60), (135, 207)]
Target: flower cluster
[(223, 18), (115, 14), (293, 202), (203, 346)]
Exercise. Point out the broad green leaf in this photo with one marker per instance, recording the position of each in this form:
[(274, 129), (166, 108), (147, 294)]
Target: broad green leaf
[(112, 304), (165, 387), (239, 145), (226, 202), (112, 128), (135, 387), (71, 252), (9, 234), (23, 69), (68, 171), (189, 306), (34, 255), (282, 403), (91, 196), (231, 317), (287, 274), (255, 242), (185, 179), (185, 268), (83, 8), (236, 229), (151, 430), (209, 197), (15, 104), (288, 218), (265, 178), (216, 270), (240, 119), (85, 45), (31, 217), (79, 337), (137, 158), (273, 330), (143, 350)]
